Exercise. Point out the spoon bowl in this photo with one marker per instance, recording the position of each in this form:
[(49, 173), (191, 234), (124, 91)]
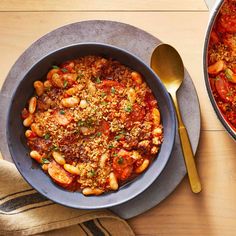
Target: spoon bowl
[(167, 63)]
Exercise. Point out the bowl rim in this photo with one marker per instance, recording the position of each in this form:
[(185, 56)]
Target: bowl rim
[(219, 114), (141, 189)]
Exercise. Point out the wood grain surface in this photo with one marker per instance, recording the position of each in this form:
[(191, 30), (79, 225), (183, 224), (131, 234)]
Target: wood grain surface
[(181, 23), (102, 5)]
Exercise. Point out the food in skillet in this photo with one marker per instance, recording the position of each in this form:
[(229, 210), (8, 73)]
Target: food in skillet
[(93, 125), (222, 61)]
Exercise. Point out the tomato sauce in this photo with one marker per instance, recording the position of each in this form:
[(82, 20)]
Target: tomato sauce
[(222, 61)]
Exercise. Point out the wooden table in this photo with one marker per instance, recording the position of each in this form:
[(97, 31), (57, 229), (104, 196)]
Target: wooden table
[(182, 24)]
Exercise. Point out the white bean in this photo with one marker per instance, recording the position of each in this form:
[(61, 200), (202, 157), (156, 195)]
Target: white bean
[(154, 150), (47, 84), (136, 77), (156, 141), (28, 121), (58, 158), (57, 81), (135, 155), (91, 88), (69, 77), (131, 94), (216, 67), (92, 191), (36, 129), (52, 72), (72, 91), (113, 181), (83, 104), (28, 133), (143, 167), (71, 169), (87, 131), (39, 87), (103, 160), (157, 132), (123, 153), (32, 105), (144, 144), (45, 167), (156, 116), (70, 102), (75, 89), (36, 156)]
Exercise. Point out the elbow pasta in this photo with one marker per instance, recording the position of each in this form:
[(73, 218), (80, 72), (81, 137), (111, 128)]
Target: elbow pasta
[(221, 62), (93, 125)]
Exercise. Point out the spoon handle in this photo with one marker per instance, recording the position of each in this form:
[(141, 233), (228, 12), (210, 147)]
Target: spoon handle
[(189, 160), (187, 151)]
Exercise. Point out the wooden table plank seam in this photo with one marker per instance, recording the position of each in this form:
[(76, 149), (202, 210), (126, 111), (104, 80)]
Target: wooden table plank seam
[(103, 4), (103, 10)]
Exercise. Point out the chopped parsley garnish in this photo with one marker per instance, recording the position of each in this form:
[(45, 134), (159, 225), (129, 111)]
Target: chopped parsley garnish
[(64, 70), (120, 160), (113, 90), (118, 137), (89, 122), (55, 67), (103, 94), (55, 148), (128, 108), (110, 146), (65, 83), (115, 154), (94, 109), (122, 132), (47, 88), (81, 123), (104, 103), (91, 173), (80, 76), (46, 136), (45, 161), (229, 74), (62, 112), (99, 134), (98, 81)]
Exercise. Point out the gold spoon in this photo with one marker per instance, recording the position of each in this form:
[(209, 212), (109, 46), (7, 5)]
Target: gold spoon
[(168, 65)]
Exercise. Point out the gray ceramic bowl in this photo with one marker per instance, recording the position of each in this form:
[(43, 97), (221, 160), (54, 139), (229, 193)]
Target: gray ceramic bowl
[(31, 170)]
